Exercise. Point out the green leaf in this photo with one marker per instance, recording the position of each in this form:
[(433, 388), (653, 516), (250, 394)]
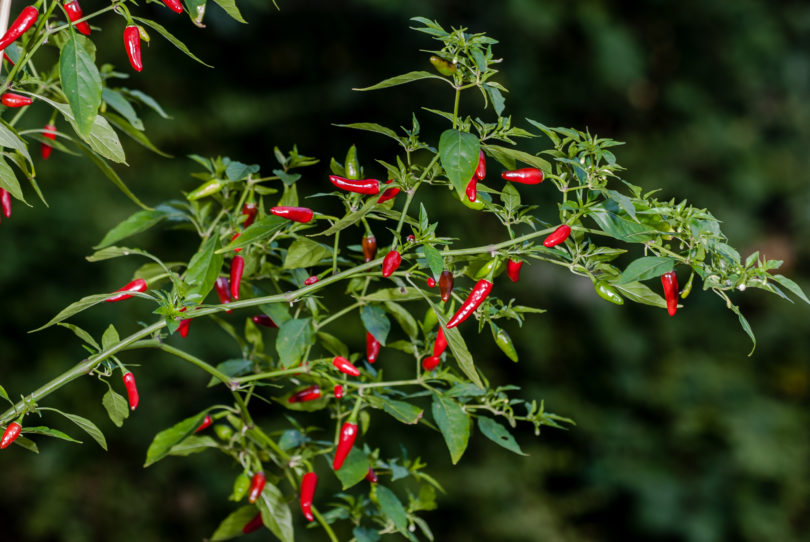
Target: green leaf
[(402, 411), (375, 322), (110, 337), (114, 252), (498, 434), (118, 102), (792, 286), (203, 270), (166, 439), (453, 423), (174, 41), (73, 308), (81, 82), (264, 227), (495, 95), (393, 294), (4, 395), (232, 525), (371, 127), (333, 345), (435, 260), (82, 334), (10, 139), (236, 171), (294, 336), (232, 368), (9, 182), (138, 136), (354, 469), (117, 407), (510, 197), (640, 293), (278, 312), (458, 152), (230, 8), (276, 514), (193, 445), (364, 534), (110, 173), (147, 100), (508, 157), (746, 327), (305, 252), (402, 79), (392, 508), (48, 432), (621, 228), (135, 223), (102, 138), (352, 218), (646, 268), (403, 317), (88, 427)]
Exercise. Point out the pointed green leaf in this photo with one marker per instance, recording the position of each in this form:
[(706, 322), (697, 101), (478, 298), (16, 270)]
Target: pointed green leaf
[(646, 268), (116, 406), (294, 336), (73, 308), (174, 41), (9, 182), (375, 322), (392, 508), (458, 152), (135, 223), (305, 252), (166, 439), (230, 8), (88, 427), (203, 270), (231, 526), (354, 469), (276, 513), (81, 82), (498, 434), (402, 79), (454, 424)]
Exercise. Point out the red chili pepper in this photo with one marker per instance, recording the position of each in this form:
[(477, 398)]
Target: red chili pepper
[(253, 524), (369, 244), (205, 423), (446, 285), (263, 320), (359, 186), (345, 366), (338, 392), (371, 476), (183, 327), (249, 210), (5, 202), (390, 193), (296, 214), (311, 280), (10, 435), (670, 282), (372, 347), (513, 269), (237, 268), (132, 390), (307, 394), (527, 175), (557, 236), (132, 44), (9, 99), (256, 487), (431, 282), (308, 483), (472, 188), (391, 263), (477, 296), (411, 238), (8, 58), (441, 343), (74, 13), (235, 236), (481, 170), (431, 363), (348, 434), (174, 5), (49, 132), (137, 285), (23, 22), (223, 291)]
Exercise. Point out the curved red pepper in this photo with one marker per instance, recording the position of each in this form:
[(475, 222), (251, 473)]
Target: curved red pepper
[(174, 5), (481, 170), (446, 285), (513, 269), (441, 343), (23, 22), (527, 175), (223, 291), (249, 210), (10, 435), (369, 244), (234, 238), (372, 347), (49, 132), (345, 366), (557, 236), (183, 327), (74, 13), (132, 44), (311, 280), (477, 296), (431, 363), (296, 214), (9, 99), (253, 524), (431, 282), (670, 282), (263, 320), (472, 188), (5, 202), (348, 434), (338, 392), (137, 285), (207, 421), (391, 263), (308, 484), (371, 476), (307, 394), (390, 193), (256, 487), (132, 390), (359, 186), (237, 268)]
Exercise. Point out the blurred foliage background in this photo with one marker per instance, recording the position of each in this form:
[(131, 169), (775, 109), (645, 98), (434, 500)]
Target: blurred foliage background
[(680, 435)]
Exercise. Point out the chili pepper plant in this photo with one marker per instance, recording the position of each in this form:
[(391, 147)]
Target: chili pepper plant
[(269, 251)]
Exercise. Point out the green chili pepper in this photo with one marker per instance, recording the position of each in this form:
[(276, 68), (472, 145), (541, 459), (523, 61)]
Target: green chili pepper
[(430, 320), (490, 269), (206, 189), (504, 342), (224, 432), (608, 293), (240, 487), (688, 288), (476, 205), (352, 166), (442, 66)]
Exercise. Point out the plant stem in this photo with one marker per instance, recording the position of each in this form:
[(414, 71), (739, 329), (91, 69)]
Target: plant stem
[(270, 374), (326, 526), (196, 361)]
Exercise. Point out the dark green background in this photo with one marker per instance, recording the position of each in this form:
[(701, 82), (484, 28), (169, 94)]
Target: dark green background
[(680, 436)]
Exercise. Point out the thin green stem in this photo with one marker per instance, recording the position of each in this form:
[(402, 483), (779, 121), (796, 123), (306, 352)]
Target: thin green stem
[(412, 191), (455, 108), (225, 379), (326, 526), (323, 323), (270, 374), (335, 253)]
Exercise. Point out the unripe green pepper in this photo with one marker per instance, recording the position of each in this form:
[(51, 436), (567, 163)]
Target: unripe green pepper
[(442, 66), (608, 293), (240, 487), (206, 189), (490, 269), (224, 432), (352, 165), (688, 288), (430, 320), (504, 342), (475, 205)]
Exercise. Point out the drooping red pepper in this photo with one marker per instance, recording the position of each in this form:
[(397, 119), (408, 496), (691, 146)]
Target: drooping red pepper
[(183, 327), (205, 423), (390, 193), (345, 366), (137, 285), (371, 476), (23, 22), (527, 175), (513, 269), (308, 484), (254, 524), (234, 238), (5, 202), (369, 244), (445, 285), (249, 210), (132, 390), (10, 435), (263, 320), (431, 363), (74, 13), (174, 5), (257, 484), (311, 280), (338, 392), (348, 434), (223, 291), (370, 187), (431, 282), (9, 99), (307, 394), (670, 282), (481, 170), (7, 58), (441, 343), (391, 263), (49, 132), (477, 296), (557, 236), (132, 44), (296, 214), (237, 268), (472, 188), (372, 347)]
